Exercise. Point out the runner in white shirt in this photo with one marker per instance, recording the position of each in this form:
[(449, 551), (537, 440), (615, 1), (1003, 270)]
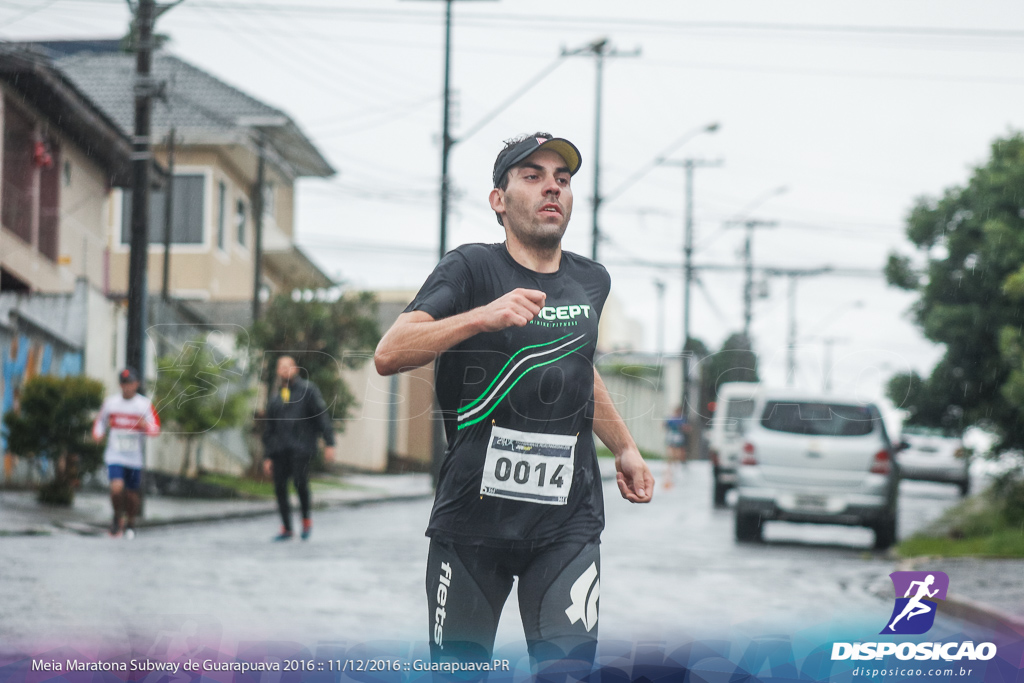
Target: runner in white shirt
[(126, 418)]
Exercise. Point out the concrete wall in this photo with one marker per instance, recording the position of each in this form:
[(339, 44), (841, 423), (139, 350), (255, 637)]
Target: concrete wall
[(391, 420)]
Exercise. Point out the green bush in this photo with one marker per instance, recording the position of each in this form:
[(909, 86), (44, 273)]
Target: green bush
[(1008, 494), (54, 418)]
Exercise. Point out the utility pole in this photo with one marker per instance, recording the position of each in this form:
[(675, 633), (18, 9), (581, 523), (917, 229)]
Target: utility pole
[(146, 88), (791, 342), (826, 378), (446, 137), (168, 216), (688, 165), (793, 275), (659, 286), (748, 270), (446, 146), (598, 48), (257, 223)]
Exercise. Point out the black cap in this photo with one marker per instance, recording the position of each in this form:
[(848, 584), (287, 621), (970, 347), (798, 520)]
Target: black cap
[(127, 376), (513, 155)]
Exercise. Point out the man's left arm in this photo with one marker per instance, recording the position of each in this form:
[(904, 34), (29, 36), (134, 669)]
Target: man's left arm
[(636, 483), (322, 414)]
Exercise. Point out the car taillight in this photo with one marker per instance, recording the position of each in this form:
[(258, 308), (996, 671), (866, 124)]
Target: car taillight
[(960, 453), (881, 464), (713, 455), (748, 454)]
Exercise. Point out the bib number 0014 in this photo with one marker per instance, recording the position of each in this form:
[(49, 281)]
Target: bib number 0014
[(534, 468)]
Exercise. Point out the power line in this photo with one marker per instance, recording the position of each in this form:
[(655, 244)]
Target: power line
[(558, 22), (29, 11)]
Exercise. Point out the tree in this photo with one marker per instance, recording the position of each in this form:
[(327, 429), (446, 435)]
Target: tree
[(54, 419), (734, 362), (970, 299), (323, 336), (197, 391)]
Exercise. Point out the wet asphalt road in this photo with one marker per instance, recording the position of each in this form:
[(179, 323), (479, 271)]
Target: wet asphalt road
[(670, 570)]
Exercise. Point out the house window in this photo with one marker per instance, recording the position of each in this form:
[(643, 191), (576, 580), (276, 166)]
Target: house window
[(18, 173), (31, 183), (186, 214), (240, 221), (222, 208), (268, 198)]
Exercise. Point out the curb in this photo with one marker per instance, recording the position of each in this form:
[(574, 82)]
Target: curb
[(979, 613), (93, 528)]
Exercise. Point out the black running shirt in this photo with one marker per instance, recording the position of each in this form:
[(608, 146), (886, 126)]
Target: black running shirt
[(520, 468)]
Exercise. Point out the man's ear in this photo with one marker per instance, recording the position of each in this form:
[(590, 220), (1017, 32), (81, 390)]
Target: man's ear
[(497, 200)]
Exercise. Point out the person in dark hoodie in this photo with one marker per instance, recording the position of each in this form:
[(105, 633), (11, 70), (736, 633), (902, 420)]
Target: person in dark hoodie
[(296, 415)]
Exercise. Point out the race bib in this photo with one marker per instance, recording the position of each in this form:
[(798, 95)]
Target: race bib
[(533, 468), (128, 443)]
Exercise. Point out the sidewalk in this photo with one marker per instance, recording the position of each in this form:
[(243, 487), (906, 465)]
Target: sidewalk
[(21, 514)]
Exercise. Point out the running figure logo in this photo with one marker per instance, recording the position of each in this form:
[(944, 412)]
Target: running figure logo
[(914, 613)]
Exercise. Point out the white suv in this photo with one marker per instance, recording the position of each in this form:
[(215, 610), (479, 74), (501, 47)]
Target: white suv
[(733, 405), (816, 458)]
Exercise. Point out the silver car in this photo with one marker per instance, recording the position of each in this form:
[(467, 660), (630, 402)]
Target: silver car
[(932, 454), (817, 459)]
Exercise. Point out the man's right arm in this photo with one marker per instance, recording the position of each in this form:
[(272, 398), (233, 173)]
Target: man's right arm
[(417, 338)]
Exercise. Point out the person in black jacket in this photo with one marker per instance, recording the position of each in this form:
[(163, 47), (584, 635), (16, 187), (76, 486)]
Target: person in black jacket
[(296, 415)]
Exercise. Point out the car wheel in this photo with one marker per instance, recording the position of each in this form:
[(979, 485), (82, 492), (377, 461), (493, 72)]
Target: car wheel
[(885, 533), (718, 494), (748, 527), (965, 487)]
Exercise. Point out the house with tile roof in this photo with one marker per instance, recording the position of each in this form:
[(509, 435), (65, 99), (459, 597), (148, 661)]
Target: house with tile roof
[(220, 134)]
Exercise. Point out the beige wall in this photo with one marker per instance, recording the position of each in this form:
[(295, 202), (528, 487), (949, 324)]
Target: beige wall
[(84, 207), (84, 202)]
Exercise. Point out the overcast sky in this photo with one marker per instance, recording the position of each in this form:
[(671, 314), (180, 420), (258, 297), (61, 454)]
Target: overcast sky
[(855, 107)]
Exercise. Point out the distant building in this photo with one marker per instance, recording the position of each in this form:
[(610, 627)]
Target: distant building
[(67, 113), (220, 134), (61, 161)]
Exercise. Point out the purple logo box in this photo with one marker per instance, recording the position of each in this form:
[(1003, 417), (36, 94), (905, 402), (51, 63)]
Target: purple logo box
[(901, 582)]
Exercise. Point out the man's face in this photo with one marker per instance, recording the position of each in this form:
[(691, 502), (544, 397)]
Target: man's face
[(285, 369), (128, 389), (536, 205)]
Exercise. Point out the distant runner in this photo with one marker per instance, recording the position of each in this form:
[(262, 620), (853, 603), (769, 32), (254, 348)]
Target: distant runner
[(296, 417), (513, 327), (676, 431), (915, 606), (126, 418)]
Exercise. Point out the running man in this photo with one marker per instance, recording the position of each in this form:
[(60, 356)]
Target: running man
[(513, 327), (914, 606), (126, 417)]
